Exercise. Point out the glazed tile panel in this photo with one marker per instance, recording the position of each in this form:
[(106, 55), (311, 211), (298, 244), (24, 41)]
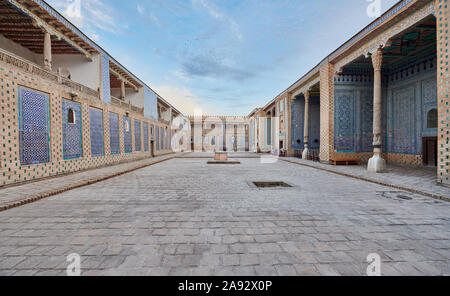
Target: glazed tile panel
[(157, 138), (114, 133), (161, 135), (344, 120), (106, 89), (314, 123), (34, 141), (72, 137), (137, 135), (298, 114), (128, 144), (145, 128), (96, 128)]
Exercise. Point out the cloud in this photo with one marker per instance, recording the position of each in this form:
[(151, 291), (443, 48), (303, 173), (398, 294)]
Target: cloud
[(90, 15), (148, 15), (220, 16), (208, 65), (180, 97), (140, 9)]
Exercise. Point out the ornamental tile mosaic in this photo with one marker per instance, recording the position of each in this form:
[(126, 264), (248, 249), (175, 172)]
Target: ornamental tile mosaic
[(106, 87), (34, 129), (344, 120), (157, 138), (365, 134), (298, 122), (71, 127), (137, 135), (127, 137), (145, 132), (96, 129), (314, 123), (401, 135), (161, 135), (152, 132), (114, 133)]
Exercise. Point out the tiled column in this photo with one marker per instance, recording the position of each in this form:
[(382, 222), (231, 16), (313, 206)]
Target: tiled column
[(377, 164), (47, 51), (443, 80), (326, 112), (306, 127), (289, 126)]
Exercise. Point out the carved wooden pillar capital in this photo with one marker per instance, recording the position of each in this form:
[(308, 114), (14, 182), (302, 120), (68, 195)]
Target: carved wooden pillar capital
[(307, 95), (377, 59)]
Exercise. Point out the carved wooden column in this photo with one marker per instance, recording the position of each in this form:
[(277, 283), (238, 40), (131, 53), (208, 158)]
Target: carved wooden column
[(47, 51), (377, 164), (306, 127), (122, 90)]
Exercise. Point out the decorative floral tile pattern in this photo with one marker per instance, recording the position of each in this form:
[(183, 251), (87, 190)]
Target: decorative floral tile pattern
[(145, 131), (128, 144), (96, 129), (34, 129), (114, 133), (157, 138), (137, 135), (72, 134)]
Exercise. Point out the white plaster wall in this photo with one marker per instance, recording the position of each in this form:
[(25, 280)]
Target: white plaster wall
[(19, 50), (115, 92), (135, 98), (82, 71), (131, 96)]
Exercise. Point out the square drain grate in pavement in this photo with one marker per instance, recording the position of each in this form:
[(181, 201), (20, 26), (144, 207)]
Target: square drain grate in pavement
[(272, 184)]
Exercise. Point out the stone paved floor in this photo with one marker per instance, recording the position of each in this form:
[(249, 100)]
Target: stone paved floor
[(184, 217), (417, 178), (21, 192)]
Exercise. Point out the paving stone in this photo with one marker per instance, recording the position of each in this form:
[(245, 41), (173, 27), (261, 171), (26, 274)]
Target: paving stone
[(183, 217), (306, 270)]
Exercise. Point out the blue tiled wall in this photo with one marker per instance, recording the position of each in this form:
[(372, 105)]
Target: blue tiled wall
[(411, 94), (114, 133), (298, 123), (137, 135), (127, 138), (145, 130), (96, 129), (161, 135), (150, 104), (34, 128), (106, 88), (72, 137), (157, 138)]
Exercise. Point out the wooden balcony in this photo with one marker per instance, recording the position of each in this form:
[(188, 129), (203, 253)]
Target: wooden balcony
[(127, 106), (29, 67)]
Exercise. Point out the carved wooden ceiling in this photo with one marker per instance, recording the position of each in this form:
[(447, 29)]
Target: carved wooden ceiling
[(23, 29), (410, 44)]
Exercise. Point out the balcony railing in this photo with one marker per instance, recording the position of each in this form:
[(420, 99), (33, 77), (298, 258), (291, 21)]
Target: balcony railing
[(11, 59), (126, 106)]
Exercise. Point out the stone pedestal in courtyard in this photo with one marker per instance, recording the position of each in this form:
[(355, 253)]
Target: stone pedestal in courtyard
[(221, 156)]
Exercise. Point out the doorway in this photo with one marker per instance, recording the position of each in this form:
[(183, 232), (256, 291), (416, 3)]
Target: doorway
[(152, 148), (430, 147)]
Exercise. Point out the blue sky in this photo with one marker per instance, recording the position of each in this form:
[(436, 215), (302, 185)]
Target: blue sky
[(225, 57)]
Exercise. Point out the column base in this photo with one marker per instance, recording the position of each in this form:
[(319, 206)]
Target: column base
[(305, 154), (377, 164)]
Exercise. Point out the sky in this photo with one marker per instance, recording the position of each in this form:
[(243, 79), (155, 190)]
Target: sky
[(225, 57)]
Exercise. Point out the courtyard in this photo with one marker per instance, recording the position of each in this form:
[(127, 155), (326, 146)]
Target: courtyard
[(185, 217)]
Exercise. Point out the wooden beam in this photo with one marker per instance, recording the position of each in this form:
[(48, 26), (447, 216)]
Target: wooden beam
[(38, 22), (123, 78)]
